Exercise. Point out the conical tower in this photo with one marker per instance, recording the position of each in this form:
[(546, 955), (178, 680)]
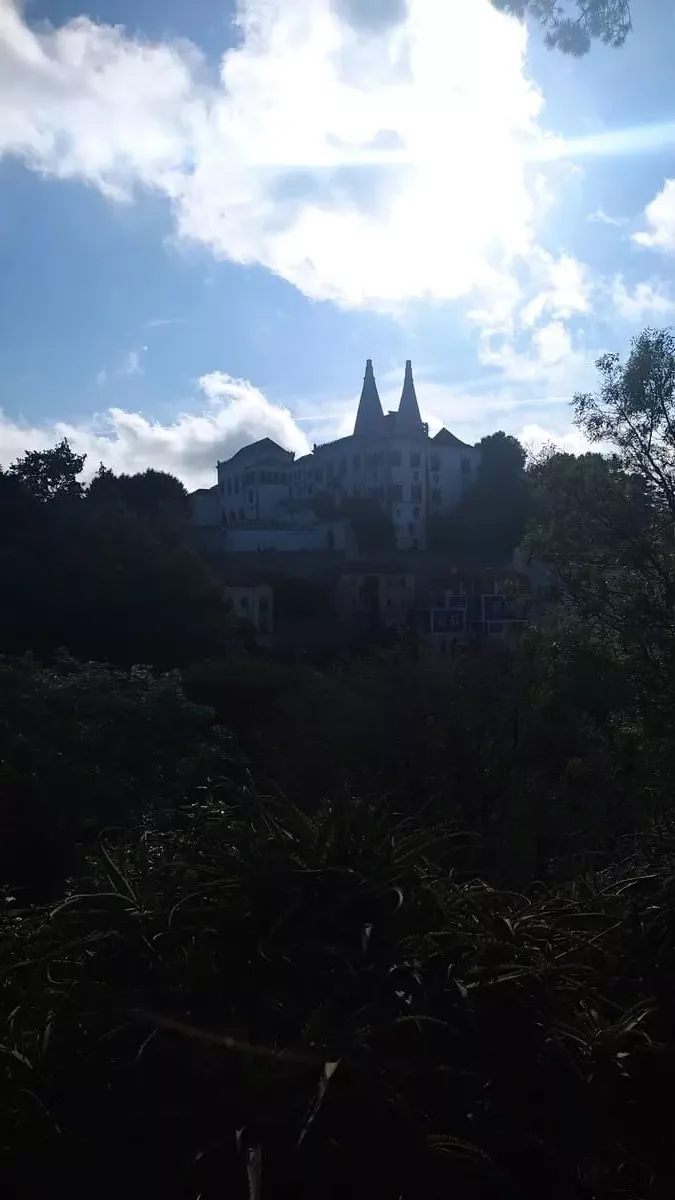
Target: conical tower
[(369, 417), (408, 419)]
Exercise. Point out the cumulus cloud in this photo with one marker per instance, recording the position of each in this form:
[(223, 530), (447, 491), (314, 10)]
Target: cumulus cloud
[(549, 357), (566, 288), (369, 170), (660, 218), (233, 413), (646, 299), (564, 438)]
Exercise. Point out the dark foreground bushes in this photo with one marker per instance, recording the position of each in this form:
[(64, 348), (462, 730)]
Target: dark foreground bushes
[(85, 746), (256, 1002)]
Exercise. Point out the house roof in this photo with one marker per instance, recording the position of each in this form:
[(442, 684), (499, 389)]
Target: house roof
[(263, 446), (445, 438)]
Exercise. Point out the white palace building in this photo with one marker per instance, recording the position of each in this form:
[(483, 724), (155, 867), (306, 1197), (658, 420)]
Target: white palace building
[(266, 498)]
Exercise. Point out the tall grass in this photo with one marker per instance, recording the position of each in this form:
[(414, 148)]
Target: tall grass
[(243, 999)]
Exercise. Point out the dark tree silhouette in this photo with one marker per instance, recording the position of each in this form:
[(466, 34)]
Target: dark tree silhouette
[(149, 493), (575, 24), (490, 520), (50, 474)]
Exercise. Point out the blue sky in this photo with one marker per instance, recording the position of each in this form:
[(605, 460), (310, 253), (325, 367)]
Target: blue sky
[(211, 215)]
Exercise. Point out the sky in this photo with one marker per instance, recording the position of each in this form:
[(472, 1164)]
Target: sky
[(212, 213)]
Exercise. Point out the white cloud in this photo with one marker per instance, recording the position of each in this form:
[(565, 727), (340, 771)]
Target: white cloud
[(367, 166), (566, 438), (600, 217), (550, 357), (233, 413), (132, 362), (660, 218), (566, 288), (647, 299)]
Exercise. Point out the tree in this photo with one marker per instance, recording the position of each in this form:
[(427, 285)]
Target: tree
[(634, 411), (489, 521), (148, 493), (606, 522), (96, 576), (89, 746), (575, 24), (502, 458), (372, 528), (51, 474)]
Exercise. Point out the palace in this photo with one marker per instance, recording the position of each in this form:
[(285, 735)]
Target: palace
[(266, 498)]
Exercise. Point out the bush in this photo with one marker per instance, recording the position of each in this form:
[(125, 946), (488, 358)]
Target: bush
[(86, 746)]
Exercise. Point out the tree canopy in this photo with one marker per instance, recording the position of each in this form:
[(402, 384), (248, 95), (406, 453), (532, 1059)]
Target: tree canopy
[(50, 474), (489, 521), (148, 493), (573, 26)]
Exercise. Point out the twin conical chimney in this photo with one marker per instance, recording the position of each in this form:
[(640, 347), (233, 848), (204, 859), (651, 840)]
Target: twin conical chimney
[(369, 416)]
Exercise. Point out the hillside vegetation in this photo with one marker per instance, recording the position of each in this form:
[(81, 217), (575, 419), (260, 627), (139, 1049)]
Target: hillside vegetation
[(370, 925)]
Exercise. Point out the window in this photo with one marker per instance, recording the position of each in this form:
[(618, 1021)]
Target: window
[(343, 466), (250, 497), (229, 487), (402, 580), (396, 491), (244, 602), (357, 462), (436, 496), (388, 603), (318, 475), (416, 476), (233, 515), (416, 493), (236, 486), (411, 529), (395, 458), (241, 514), (263, 609), (415, 458), (416, 512), (435, 462), (466, 466)]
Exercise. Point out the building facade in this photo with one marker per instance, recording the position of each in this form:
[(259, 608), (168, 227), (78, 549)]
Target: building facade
[(254, 603), (390, 459)]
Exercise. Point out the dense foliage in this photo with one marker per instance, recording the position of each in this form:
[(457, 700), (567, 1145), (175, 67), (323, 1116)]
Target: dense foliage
[(574, 25), (358, 924)]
